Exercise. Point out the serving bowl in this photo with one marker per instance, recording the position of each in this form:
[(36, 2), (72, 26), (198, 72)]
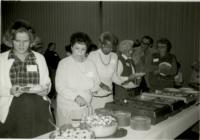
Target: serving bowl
[(104, 131), (123, 118), (102, 125)]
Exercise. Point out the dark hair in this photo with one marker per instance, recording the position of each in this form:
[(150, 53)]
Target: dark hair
[(136, 43), (108, 36), (165, 41), (178, 65), (22, 23), (68, 48), (92, 47), (147, 37), (50, 44), (80, 37), (16, 27)]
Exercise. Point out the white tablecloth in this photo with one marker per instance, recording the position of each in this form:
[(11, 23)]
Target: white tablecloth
[(168, 129)]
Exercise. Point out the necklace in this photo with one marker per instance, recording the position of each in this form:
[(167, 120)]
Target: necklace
[(106, 64)]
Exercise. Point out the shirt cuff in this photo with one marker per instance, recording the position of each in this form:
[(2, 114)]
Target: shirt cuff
[(123, 79)]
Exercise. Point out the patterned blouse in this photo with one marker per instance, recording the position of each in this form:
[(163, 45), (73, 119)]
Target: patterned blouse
[(19, 73)]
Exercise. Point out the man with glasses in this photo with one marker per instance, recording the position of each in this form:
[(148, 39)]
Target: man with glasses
[(144, 52)]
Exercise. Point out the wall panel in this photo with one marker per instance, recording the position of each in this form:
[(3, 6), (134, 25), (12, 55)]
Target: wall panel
[(179, 22), (56, 21)]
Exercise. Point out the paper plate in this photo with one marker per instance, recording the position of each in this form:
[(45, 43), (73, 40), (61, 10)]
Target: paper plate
[(192, 92), (140, 74), (172, 90), (165, 63), (32, 89), (186, 89)]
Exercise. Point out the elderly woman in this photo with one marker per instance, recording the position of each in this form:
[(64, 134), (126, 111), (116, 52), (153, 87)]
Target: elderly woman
[(24, 84), (163, 66), (106, 64), (76, 81), (125, 69)]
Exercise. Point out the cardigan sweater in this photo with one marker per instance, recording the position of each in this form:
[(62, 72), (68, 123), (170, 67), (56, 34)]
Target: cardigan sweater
[(5, 82)]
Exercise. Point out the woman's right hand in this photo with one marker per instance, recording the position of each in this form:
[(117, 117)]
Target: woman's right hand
[(16, 91), (80, 101)]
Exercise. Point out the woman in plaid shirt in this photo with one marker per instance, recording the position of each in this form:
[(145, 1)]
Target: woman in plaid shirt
[(24, 84)]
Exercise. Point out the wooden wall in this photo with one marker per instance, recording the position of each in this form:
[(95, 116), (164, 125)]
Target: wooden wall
[(55, 21)]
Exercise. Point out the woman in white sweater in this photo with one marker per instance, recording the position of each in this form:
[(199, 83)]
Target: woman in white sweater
[(24, 84), (106, 63), (76, 82)]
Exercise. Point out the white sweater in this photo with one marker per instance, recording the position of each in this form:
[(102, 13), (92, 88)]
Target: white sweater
[(107, 72), (5, 82), (75, 78)]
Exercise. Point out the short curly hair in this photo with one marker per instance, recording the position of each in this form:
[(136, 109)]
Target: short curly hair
[(108, 36), (19, 27), (125, 45), (80, 37)]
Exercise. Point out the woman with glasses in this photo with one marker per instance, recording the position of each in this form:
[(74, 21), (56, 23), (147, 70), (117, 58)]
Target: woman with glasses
[(163, 66)]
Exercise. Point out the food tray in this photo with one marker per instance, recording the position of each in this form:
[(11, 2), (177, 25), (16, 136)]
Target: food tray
[(157, 112), (186, 97), (175, 105)]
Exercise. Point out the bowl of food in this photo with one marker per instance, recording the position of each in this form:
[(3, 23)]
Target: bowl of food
[(68, 131), (123, 118), (102, 125)]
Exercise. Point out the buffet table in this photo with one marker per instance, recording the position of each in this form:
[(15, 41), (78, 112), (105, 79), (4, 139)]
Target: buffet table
[(168, 129)]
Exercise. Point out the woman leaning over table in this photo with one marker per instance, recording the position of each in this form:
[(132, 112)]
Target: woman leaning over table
[(106, 63), (76, 81), (24, 112), (126, 67)]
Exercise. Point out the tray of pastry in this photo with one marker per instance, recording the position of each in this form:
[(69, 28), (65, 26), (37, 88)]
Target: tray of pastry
[(173, 103), (186, 97)]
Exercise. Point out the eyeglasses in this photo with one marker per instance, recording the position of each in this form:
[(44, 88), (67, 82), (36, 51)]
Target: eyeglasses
[(146, 43)]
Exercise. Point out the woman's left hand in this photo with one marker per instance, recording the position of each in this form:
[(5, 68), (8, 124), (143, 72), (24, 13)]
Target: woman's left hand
[(41, 90)]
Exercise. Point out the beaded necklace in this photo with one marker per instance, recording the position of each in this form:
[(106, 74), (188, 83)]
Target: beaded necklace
[(106, 64)]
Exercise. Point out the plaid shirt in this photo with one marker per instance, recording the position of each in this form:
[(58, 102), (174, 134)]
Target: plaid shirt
[(18, 71)]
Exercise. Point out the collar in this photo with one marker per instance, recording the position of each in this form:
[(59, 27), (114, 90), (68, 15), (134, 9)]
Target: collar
[(124, 56), (11, 54), (30, 56), (104, 54)]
